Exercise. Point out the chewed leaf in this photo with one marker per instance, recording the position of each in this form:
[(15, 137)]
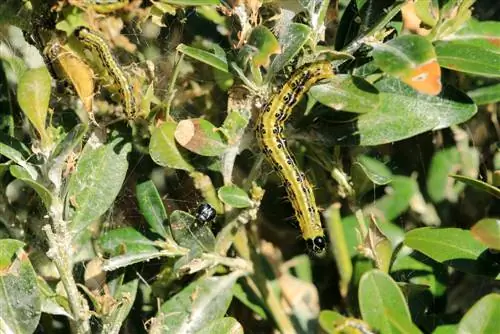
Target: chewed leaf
[(265, 44), (200, 136), (412, 59), (70, 66)]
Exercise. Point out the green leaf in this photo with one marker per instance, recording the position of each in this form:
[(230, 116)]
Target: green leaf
[(419, 269), (485, 95), (23, 175), (405, 113), (454, 247), (125, 240), (475, 48), (200, 136), (247, 296), (446, 329), (16, 151), (226, 325), (487, 231), (198, 304), (212, 59), (163, 149), (367, 172), (412, 59), (99, 176), (20, 302), (291, 40), (397, 200), (327, 320), (483, 317), (478, 184), (347, 93), (33, 94), (234, 196), (339, 247), (263, 45), (189, 233), (383, 305), (439, 186), (151, 207)]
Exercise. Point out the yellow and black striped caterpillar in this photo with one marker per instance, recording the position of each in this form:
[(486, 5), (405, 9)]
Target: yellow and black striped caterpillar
[(269, 133), (97, 44)]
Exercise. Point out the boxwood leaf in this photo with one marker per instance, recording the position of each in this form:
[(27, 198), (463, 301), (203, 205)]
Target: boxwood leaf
[(383, 305)]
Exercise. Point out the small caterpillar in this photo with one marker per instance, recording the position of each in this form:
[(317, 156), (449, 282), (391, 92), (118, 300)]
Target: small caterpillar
[(96, 43), (269, 133)]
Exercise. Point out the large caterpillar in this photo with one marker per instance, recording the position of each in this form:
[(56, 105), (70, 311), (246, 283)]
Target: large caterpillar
[(269, 133), (96, 43)]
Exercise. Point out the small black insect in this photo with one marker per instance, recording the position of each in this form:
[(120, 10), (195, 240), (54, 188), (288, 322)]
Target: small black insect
[(205, 213)]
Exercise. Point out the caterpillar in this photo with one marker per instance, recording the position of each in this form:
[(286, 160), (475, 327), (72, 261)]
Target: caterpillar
[(96, 43), (270, 126)]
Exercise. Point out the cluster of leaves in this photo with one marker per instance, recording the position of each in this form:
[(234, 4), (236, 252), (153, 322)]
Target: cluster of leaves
[(411, 224)]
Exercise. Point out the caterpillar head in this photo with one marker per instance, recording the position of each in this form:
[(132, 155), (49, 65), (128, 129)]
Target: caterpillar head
[(316, 245)]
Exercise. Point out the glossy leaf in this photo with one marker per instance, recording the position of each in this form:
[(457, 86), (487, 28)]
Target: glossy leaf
[(485, 95), (475, 48), (367, 172), (200, 136), (98, 178), (226, 325), (33, 94), (454, 247), (347, 93), (163, 148), (234, 196), (327, 320), (487, 231), (20, 302), (403, 113), (412, 59), (495, 191), (125, 240), (383, 305), (482, 318), (198, 304), (418, 269), (208, 58), (151, 207)]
